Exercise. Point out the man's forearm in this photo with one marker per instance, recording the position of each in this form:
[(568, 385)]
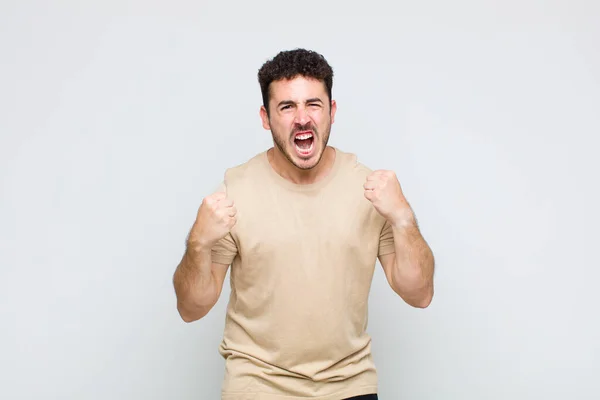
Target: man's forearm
[(412, 274), (194, 283)]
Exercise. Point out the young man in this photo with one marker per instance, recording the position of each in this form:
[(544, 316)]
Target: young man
[(302, 225)]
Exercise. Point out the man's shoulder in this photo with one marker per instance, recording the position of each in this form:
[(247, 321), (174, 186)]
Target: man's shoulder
[(351, 164), (246, 170)]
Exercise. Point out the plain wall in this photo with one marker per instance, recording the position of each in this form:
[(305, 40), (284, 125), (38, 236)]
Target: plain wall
[(116, 118)]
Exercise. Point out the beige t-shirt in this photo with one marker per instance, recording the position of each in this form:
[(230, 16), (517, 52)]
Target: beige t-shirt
[(302, 260)]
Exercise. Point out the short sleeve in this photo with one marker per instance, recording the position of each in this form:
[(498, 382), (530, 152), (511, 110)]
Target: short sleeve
[(386, 240), (224, 251)]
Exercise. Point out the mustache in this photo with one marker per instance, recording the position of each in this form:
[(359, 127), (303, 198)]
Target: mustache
[(305, 127)]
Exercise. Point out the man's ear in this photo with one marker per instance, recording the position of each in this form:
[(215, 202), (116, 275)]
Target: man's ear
[(333, 110), (265, 118)]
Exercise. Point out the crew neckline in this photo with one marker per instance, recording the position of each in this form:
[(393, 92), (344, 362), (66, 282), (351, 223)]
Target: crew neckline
[(299, 186)]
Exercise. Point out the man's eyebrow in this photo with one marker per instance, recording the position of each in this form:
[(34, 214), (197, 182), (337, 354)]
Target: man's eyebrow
[(286, 103), (291, 102)]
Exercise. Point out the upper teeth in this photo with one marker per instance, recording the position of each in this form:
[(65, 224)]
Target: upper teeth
[(304, 136)]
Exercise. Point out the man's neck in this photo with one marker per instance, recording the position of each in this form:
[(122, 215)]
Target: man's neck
[(289, 171)]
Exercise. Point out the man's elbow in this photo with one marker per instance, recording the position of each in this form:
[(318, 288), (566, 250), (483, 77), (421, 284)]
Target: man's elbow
[(422, 301), (421, 298), (189, 316)]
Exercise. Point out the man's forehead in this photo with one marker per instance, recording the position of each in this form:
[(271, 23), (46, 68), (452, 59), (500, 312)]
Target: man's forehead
[(298, 86)]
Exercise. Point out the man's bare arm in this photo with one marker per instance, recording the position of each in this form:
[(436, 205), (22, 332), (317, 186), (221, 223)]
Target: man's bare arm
[(197, 280), (198, 283), (410, 269)]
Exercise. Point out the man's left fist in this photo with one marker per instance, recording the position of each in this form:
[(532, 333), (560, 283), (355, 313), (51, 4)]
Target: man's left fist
[(382, 188)]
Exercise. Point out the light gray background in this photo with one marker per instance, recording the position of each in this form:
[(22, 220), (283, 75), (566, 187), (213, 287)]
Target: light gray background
[(116, 118)]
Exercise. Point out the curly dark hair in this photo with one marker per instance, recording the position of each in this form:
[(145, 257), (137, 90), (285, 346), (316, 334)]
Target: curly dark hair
[(291, 63)]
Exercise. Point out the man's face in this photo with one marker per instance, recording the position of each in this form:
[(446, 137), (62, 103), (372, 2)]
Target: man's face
[(300, 119)]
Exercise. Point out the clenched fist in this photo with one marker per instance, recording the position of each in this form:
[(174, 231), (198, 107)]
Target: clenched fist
[(216, 217), (382, 188)]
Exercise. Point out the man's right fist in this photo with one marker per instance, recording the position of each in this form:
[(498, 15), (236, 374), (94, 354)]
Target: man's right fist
[(214, 221)]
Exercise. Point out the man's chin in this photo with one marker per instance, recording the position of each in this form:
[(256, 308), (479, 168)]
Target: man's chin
[(306, 162), (306, 165)]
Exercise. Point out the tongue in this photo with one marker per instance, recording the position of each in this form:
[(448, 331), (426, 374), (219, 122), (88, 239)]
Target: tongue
[(304, 144)]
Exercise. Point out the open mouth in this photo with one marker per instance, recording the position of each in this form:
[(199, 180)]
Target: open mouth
[(304, 142)]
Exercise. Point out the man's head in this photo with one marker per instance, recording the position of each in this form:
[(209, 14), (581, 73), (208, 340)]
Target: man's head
[(298, 109)]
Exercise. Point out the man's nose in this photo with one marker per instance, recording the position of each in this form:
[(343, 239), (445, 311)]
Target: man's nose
[(301, 117)]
